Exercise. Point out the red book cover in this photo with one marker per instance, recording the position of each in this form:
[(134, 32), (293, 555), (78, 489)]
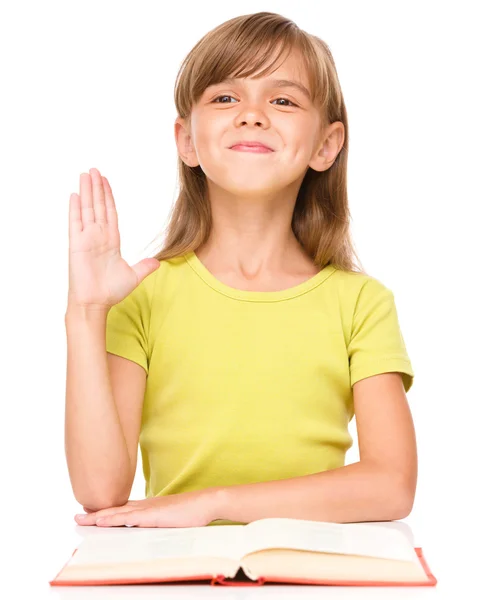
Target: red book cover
[(222, 580)]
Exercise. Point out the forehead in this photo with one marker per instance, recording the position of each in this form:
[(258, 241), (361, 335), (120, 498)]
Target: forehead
[(292, 67), (290, 73)]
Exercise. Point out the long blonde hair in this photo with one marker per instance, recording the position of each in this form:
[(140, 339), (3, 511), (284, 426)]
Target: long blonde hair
[(321, 216)]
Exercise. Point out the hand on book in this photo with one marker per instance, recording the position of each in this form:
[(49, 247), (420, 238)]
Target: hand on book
[(189, 509)]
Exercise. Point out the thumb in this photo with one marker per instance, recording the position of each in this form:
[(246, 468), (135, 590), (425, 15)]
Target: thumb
[(145, 267)]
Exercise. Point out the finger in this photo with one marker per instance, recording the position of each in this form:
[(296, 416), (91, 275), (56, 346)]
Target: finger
[(90, 518), (88, 215), (75, 225), (98, 197), (112, 217), (106, 510), (147, 517)]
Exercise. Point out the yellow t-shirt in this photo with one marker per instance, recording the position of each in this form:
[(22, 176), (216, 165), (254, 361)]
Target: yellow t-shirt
[(247, 386)]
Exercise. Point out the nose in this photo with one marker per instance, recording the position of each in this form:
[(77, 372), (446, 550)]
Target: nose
[(252, 115)]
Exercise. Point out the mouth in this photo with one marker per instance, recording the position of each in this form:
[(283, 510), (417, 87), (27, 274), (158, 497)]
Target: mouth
[(255, 148)]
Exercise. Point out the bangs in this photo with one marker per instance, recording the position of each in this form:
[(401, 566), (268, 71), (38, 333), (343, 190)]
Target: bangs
[(253, 49)]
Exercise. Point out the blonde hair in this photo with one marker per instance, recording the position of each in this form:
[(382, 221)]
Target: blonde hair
[(321, 216)]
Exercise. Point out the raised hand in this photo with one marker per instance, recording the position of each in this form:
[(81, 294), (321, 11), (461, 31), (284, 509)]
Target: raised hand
[(98, 276)]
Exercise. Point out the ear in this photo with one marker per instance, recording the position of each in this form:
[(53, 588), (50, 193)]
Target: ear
[(185, 147), (331, 143)]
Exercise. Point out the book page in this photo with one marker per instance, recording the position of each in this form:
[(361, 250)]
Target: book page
[(145, 544), (338, 538)]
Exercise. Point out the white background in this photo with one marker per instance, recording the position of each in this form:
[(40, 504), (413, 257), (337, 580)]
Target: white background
[(90, 84)]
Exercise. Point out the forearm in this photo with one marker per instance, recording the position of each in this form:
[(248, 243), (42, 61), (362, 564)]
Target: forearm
[(97, 456), (358, 492)]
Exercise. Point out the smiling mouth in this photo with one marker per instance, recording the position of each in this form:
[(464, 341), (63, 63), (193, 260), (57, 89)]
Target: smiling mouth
[(254, 149)]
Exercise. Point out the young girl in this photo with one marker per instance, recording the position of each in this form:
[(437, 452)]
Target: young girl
[(238, 355)]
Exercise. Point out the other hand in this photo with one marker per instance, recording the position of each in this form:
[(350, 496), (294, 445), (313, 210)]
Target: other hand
[(189, 509)]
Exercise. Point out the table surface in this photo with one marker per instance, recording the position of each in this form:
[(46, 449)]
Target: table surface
[(52, 545)]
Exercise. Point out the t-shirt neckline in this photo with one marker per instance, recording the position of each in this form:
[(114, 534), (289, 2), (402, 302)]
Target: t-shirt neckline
[(257, 296)]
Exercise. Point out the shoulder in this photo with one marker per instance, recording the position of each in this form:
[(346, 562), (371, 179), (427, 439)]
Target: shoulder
[(160, 277), (354, 287), (166, 278)]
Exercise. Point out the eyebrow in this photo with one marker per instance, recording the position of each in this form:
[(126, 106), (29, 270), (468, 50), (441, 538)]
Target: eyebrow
[(278, 83)]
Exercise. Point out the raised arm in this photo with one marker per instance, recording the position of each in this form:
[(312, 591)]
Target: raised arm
[(104, 392)]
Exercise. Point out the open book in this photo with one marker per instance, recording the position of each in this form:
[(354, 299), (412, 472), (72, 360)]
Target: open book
[(267, 550)]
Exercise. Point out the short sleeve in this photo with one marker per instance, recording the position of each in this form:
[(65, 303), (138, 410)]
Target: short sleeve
[(376, 343), (128, 324)]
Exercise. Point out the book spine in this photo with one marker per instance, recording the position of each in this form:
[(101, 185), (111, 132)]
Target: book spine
[(220, 580)]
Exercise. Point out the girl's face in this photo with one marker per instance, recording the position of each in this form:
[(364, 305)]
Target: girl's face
[(265, 110)]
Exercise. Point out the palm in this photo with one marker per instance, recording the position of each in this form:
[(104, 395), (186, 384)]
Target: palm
[(98, 275)]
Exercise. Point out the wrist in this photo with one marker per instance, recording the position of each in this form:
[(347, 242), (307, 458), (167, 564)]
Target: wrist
[(85, 313), (218, 502)]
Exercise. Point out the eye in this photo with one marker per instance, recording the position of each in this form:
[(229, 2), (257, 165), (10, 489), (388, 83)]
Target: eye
[(226, 96), (292, 103), (215, 99)]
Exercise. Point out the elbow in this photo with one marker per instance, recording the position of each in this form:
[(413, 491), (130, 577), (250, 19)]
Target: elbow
[(402, 511), (94, 505), (101, 499), (403, 498)]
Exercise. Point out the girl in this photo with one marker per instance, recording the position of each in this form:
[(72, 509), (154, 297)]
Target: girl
[(238, 355)]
